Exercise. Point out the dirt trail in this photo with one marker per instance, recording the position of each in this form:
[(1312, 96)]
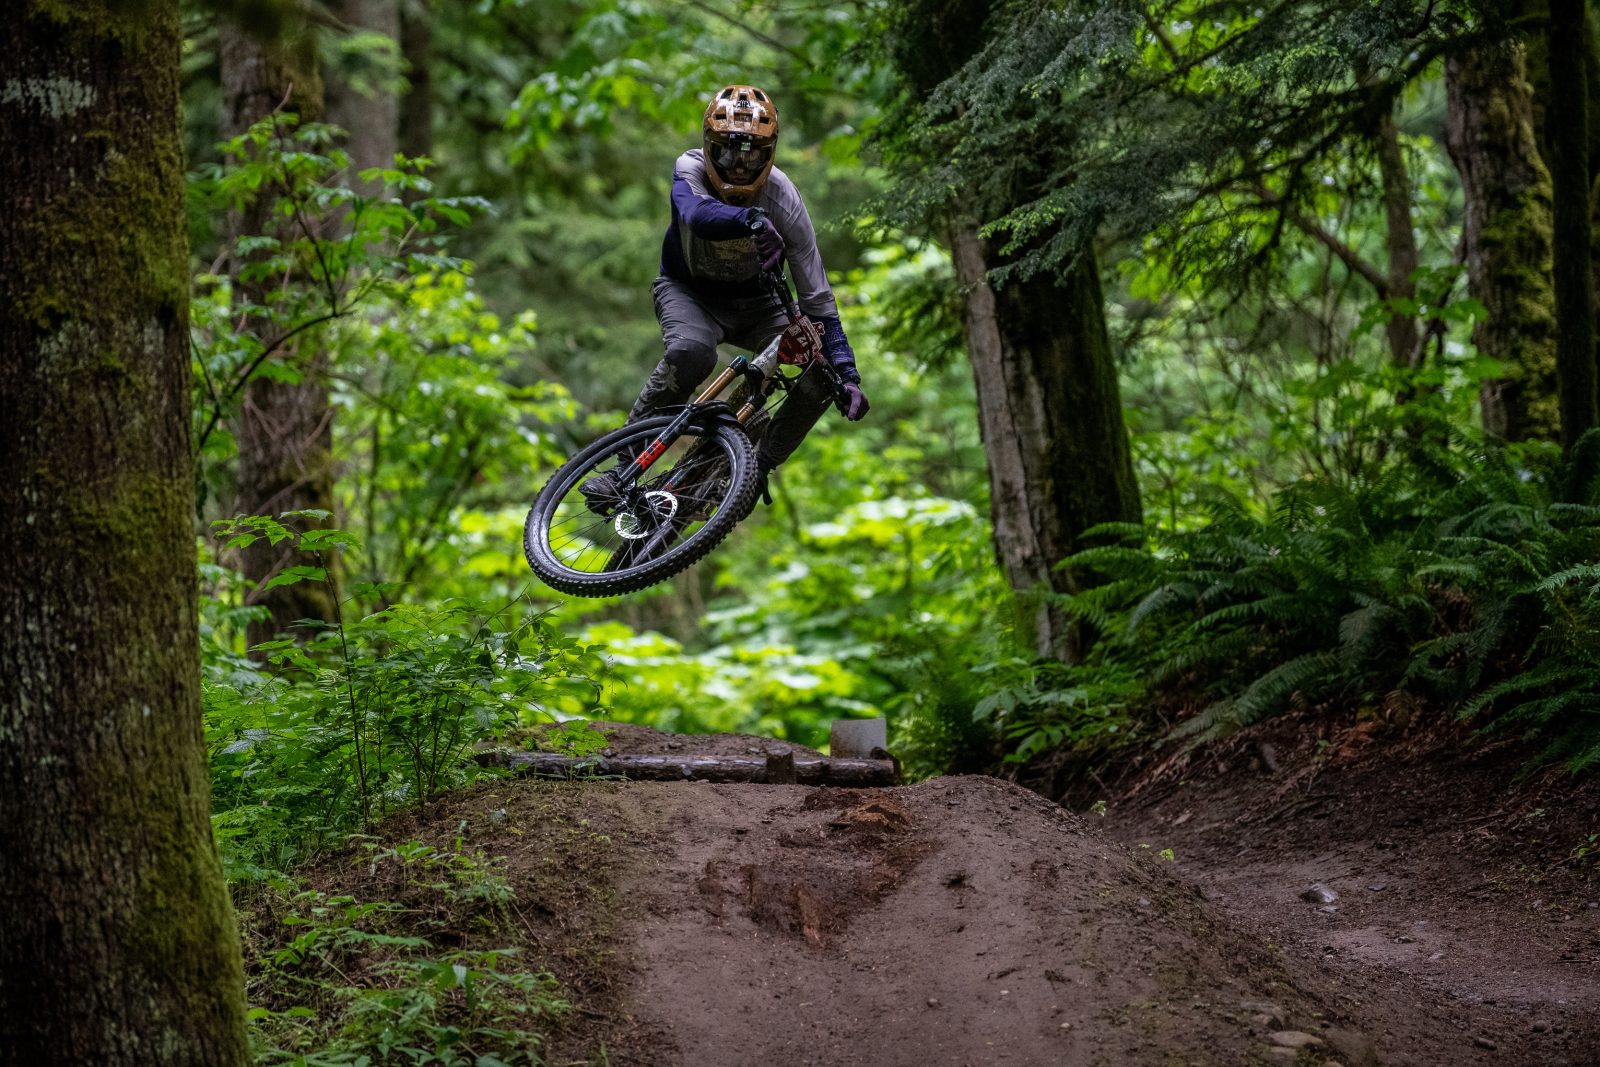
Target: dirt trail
[(1451, 903), (958, 921), (967, 921)]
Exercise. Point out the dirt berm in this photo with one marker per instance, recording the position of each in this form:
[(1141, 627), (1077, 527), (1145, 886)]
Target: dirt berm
[(959, 921)]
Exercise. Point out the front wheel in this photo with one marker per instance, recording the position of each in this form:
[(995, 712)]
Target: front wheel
[(599, 544)]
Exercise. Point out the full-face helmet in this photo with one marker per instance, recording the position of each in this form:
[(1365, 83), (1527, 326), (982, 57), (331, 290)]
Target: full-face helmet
[(741, 131)]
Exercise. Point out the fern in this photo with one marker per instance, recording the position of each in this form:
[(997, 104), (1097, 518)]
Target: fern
[(1460, 576), (1587, 572), (1581, 482)]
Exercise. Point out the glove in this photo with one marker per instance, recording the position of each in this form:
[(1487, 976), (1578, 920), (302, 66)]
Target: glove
[(855, 405), (769, 242)]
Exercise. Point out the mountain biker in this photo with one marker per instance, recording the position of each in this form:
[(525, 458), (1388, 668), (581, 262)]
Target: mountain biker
[(736, 216)]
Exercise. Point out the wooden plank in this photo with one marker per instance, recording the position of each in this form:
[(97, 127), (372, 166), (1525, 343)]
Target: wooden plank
[(806, 771)]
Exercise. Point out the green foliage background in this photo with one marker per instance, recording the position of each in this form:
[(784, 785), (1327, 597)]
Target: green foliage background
[(1325, 533), (1311, 542)]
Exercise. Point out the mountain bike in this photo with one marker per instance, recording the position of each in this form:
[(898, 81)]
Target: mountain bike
[(679, 481)]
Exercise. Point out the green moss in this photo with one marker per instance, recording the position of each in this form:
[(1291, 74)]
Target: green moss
[(1518, 240), (130, 22)]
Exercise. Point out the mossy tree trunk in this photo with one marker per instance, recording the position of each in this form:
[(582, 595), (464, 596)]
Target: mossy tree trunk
[(1508, 237), (117, 944), (284, 429), (1567, 134), (1050, 412), (1049, 404)]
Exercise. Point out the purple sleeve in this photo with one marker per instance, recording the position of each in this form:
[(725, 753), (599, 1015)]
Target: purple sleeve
[(704, 214), (836, 347)]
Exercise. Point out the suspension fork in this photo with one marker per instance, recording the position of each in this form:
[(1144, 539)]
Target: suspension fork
[(757, 372)]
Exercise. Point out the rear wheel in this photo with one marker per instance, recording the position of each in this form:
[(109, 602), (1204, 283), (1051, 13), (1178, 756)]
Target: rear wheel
[(598, 544)]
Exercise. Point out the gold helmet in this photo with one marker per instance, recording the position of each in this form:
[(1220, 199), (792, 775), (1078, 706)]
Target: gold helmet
[(741, 130)]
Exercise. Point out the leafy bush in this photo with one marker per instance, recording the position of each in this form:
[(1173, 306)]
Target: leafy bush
[(344, 982), (1464, 576), (368, 714)]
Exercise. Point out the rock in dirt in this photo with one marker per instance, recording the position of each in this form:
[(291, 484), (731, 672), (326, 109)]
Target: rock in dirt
[(1319, 894), (1483, 1042), (1265, 1015), (1295, 1039), (1352, 1048)]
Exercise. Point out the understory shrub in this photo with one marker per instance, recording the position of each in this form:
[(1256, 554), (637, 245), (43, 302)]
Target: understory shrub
[(1468, 577), (366, 715)]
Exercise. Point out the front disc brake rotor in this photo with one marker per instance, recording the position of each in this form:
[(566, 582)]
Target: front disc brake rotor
[(662, 506)]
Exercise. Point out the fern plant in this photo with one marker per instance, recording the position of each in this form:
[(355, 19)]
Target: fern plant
[(1466, 576)]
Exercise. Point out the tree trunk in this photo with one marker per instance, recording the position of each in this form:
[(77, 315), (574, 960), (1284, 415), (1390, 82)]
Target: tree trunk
[(1508, 238), (1050, 413), (368, 113), (1567, 120), (416, 106), (117, 944), (1405, 346), (285, 429)]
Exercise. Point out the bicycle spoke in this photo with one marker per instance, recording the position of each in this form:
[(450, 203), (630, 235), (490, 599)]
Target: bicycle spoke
[(666, 505)]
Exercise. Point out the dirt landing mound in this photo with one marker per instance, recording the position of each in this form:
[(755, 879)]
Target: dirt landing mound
[(959, 921)]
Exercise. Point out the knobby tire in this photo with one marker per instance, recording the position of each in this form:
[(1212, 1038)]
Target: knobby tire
[(624, 575)]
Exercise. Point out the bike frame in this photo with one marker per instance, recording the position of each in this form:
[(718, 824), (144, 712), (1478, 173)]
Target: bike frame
[(763, 376)]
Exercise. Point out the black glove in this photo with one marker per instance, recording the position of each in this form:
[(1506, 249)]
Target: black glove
[(769, 242)]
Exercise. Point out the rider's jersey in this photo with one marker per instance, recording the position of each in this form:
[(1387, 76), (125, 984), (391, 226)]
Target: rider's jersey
[(708, 245)]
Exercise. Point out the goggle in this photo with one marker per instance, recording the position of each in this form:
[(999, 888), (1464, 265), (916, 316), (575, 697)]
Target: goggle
[(739, 154)]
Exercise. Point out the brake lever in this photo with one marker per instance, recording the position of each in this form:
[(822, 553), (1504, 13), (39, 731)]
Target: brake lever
[(778, 286)]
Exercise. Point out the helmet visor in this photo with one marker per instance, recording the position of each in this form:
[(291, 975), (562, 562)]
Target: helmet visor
[(738, 158)]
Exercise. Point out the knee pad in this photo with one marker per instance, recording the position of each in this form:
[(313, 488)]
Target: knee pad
[(692, 361)]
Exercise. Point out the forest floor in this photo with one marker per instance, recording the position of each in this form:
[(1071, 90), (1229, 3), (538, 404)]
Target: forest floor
[(1318, 907)]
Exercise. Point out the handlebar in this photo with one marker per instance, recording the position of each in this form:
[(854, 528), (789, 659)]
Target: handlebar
[(778, 286)]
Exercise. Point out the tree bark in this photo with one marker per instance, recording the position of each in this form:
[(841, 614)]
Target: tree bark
[(1050, 414), (284, 429), (1508, 238), (416, 106), (117, 944), (369, 114), (1405, 347), (1567, 120), (1049, 404)]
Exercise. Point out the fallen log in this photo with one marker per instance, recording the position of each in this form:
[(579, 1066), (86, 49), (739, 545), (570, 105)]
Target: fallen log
[(779, 767)]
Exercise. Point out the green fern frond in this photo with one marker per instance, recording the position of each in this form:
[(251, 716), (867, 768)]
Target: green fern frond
[(1205, 724), (1460, 572), (1588, 572), (1272, 690), (1538, 678), (1265, 609), (1265, 696), (1360, 631), (1568, 515), (1205, 648), (1116, 531), (1581, 473), (1110, 559), (1164, 597)]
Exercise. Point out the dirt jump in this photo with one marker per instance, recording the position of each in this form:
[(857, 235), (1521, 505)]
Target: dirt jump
[(969, 921)]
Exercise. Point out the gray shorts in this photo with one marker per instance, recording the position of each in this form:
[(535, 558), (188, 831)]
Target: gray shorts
[(686, 317), (750, 323)]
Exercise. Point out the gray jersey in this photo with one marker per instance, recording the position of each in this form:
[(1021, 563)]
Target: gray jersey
[(735, 260)]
